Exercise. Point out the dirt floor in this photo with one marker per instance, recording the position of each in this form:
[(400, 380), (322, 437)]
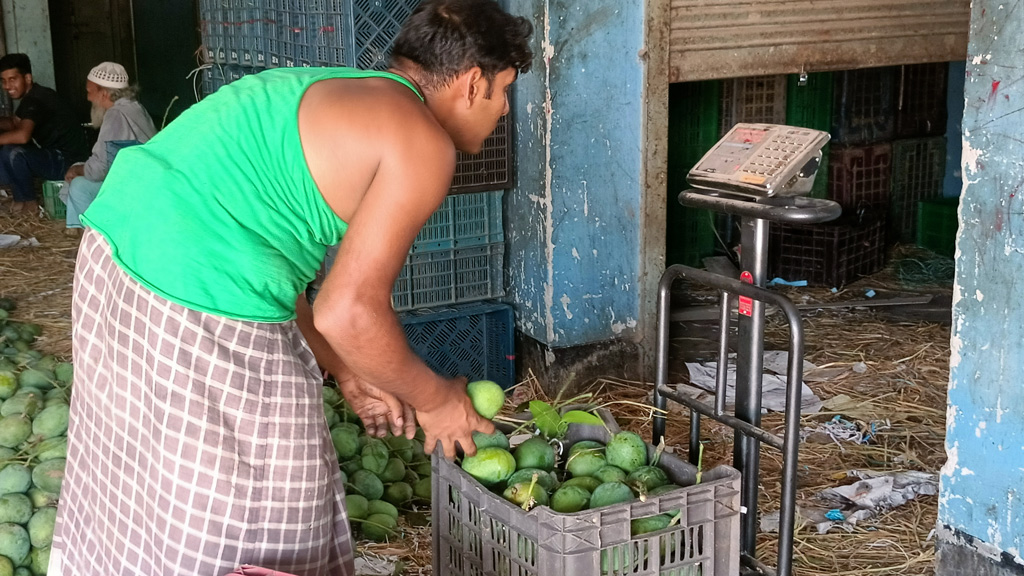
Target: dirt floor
[(899, 385)]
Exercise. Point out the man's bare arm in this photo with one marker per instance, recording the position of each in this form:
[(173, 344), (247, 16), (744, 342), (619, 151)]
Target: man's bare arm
[(353, 309), (20, 133)]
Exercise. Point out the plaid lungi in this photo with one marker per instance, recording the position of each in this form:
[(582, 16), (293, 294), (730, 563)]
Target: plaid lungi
[(196, 443)]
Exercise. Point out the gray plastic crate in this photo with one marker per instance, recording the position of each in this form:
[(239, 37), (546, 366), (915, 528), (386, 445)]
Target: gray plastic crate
[(477, 532)]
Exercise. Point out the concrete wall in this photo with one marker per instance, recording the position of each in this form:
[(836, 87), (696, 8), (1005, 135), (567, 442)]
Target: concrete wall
[(575, 219), (27, 27), (982, 491)]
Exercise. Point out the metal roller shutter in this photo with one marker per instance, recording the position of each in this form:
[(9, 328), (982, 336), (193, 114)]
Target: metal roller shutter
[(733, 38)]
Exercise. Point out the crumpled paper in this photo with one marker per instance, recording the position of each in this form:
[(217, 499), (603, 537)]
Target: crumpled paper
[(15, 241), (875, 493), (773, 382)]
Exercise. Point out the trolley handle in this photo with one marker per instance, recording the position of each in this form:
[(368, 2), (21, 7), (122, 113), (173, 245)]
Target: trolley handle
[(795, 209)]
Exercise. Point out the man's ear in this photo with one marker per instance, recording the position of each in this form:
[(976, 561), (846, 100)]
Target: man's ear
[(476, 85), (28, 78)]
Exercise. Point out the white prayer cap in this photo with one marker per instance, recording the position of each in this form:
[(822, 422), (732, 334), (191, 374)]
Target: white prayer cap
[(109, 75)]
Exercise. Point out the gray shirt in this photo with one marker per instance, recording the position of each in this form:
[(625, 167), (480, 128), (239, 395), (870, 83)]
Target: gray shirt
[(125, 120)]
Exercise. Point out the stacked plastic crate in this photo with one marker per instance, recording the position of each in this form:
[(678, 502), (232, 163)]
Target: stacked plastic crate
[(458, 257), (809, 105), (919, 152), (694, 109), (858, 177)]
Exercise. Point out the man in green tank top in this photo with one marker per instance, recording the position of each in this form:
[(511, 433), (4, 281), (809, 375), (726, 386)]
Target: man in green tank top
[(197, 439)]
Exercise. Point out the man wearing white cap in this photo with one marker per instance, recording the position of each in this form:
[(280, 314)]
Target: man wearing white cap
[(120, 117)]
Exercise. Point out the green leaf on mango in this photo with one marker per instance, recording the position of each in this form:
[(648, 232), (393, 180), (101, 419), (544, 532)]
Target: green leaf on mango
[(545, 418), (581, 417)]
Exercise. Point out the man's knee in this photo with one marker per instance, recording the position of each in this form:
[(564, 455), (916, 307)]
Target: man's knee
[(10, 153), (82, 190)]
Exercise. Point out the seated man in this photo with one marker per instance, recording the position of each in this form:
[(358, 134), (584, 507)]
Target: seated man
[(119, 116), (41, 140)]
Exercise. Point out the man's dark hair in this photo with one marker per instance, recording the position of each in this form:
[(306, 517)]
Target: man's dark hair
[(448, 37), (19, 61)]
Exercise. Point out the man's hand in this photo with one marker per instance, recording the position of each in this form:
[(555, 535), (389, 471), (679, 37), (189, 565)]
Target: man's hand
[(75, 171), (453, 420), (378, 409)]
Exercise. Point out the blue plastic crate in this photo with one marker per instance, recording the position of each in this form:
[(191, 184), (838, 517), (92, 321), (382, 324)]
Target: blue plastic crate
[(249, 30), (463, 221), (443, 277), (294, 37), (215, 27), (328, 35), (115, 146), (232, 73), (262, 38), (213, 78), (476, 341), (234, 39)]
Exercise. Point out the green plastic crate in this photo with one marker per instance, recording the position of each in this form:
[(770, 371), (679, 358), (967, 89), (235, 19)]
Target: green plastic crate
[(810, 106), (52, 204), (937, 225), (918, 170), (693, 130)]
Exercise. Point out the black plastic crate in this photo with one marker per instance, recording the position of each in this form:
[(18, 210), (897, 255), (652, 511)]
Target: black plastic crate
[(861, 178), (921, 100), (918, 170), (863, 106), (375, 24), (829, 255), (490, 169)]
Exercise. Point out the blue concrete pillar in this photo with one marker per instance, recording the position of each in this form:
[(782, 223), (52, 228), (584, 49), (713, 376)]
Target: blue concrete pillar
[(981, 504), (575, 225)]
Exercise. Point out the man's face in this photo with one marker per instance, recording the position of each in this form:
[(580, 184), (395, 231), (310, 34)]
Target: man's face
[(100, 100), (93, 92), (15, 83)]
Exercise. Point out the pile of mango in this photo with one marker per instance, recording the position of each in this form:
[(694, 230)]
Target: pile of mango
[(592, 474), (35, 390), (383, 477), (589, 475)]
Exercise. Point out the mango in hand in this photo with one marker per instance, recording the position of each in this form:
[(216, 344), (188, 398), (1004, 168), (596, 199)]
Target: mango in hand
[(488, 397)]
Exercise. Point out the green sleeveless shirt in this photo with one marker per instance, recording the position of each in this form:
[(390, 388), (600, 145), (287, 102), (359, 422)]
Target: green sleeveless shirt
[(219, 212)]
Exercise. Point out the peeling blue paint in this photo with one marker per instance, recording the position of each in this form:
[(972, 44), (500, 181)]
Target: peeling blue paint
[(573, 218), (983, 476)]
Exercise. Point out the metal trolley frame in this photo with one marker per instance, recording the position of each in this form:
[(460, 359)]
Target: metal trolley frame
[(755, 214)]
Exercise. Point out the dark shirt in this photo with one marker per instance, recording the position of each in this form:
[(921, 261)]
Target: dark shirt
[(55, 124)]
